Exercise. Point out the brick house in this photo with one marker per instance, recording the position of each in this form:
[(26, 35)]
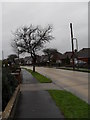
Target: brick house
[(84, 55)]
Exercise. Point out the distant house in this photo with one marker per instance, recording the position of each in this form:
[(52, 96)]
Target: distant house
[(44, 58), (38, 58), (28, 60), (84, 55), (58, 57), (21, 61), (68, 54)]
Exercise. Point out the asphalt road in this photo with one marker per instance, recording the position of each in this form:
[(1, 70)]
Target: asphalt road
[(73, 81)]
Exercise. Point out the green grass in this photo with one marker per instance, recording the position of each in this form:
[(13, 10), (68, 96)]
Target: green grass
[(79, 70), (39, 77), (70, 105)]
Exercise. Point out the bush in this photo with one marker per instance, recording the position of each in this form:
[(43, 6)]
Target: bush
[(9, 83)]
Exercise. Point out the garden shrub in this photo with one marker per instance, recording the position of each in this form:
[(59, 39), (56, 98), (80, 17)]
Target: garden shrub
[(9, 83)]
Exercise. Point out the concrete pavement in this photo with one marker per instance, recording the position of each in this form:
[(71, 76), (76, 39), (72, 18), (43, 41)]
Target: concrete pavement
[(73, 81), (28, 78), (39, 86), (35, 102)]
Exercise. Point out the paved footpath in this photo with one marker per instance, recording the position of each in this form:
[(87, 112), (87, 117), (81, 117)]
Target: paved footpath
[(34, 101)]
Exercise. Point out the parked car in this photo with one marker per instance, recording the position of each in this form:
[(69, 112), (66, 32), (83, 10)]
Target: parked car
[(80, 63)]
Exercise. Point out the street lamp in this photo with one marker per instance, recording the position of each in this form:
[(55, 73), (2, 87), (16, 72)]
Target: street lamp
[(76, 43), (77, 50)]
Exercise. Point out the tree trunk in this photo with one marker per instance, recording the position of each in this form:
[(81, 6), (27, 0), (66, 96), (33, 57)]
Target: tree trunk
[(49, 61), (18, 57), (34, 64), (33, 68)]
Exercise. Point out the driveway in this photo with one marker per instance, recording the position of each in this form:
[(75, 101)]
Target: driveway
[(73, 81)]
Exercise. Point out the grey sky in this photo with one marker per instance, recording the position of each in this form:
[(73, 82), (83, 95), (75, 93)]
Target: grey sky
[(57, 14)]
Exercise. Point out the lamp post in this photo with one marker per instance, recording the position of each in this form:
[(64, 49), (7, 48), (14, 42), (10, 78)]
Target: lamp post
[(76, 43), (2, 55), (77, 51)]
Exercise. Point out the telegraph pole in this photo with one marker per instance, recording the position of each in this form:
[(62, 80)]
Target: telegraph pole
[(72, 45)]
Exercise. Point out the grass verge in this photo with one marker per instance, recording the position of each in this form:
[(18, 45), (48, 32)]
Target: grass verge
[(79, 70), (70, 105), (39, 77)]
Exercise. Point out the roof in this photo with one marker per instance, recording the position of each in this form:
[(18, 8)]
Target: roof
[(28, 58), (59, 56), (69, 54), (84, 53), (44, 58)]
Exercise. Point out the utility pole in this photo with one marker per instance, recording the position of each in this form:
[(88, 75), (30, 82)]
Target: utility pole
[(72, 46)]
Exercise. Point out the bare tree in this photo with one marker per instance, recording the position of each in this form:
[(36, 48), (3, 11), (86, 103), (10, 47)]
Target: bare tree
[(49, 52), (31, 39), (15, 48)]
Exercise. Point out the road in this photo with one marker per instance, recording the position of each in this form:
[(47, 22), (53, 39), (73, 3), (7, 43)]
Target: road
[(73, 81)]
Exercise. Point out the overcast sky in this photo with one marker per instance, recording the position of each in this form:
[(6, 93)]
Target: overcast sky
[(59, 15)]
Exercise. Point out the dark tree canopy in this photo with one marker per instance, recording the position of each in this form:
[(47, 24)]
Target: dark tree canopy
[(31, 39), (12, 57), (49, 52)]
